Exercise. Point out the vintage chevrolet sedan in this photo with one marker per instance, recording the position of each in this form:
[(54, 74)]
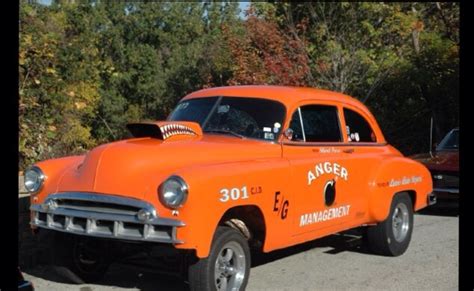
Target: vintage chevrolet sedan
[(232, 169)]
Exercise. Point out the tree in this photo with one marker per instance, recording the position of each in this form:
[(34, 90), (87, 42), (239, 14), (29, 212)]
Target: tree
[(156, 53), (89, 68), (264, 54), (401, 59), (58, 82), (425, 84)]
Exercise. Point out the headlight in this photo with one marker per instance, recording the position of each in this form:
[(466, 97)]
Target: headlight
[(173, 192), (34, 179)]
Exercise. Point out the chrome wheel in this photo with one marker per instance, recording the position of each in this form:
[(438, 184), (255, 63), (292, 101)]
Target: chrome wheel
[(400, 222), (229, 269)]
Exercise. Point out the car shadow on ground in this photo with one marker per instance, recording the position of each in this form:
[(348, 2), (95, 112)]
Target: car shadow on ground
[(350, 241), (124, 275), (119, 275), (442, 208)]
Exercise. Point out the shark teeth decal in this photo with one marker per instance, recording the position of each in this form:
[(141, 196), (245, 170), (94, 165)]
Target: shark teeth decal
[(170, 130)]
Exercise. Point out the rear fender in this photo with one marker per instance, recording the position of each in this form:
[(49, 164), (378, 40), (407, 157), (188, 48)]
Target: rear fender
[(395, 175)]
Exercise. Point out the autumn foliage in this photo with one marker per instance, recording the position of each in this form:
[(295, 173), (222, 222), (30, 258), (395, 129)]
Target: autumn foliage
[(265, 55), (87, 68)]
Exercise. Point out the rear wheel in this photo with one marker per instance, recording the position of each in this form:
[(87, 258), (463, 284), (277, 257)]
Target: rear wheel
[(228, 265), (392, 236)]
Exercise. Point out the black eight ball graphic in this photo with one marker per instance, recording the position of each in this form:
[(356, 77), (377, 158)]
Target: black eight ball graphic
[(330, 192)]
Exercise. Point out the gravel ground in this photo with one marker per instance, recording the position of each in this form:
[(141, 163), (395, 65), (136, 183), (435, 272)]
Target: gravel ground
[(337, 262)]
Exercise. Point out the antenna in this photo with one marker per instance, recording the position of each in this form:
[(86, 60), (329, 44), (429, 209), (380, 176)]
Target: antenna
[(431, 137)]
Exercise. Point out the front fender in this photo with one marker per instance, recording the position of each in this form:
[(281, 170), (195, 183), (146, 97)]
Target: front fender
[(394, 175), (54, 169), (252, 182)]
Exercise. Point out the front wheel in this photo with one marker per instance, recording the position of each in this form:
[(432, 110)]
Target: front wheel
[(228, 265), (80, 259), (392, 236)]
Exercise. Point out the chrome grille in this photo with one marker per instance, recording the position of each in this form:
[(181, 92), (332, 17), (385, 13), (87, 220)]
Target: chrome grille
[(97, 206), (102, 215)]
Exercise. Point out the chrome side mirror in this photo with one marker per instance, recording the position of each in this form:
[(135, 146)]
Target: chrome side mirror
[(288, 133)]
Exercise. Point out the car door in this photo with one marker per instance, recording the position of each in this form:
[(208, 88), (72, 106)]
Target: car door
[(326, 177), (319, 177)]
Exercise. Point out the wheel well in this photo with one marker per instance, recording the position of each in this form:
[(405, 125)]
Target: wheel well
[(249, 221), (412, 195)]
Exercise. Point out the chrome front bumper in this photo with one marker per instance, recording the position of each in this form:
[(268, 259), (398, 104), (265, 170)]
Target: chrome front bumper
[(106, 216)]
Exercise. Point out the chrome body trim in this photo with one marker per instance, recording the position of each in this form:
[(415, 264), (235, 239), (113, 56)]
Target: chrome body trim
[(56, 214)]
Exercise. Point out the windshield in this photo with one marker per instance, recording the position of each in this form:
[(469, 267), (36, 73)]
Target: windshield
[(241, 117), (450, 141)]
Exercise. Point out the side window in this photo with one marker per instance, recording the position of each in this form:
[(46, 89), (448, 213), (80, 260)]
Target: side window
[(357, 128), (320, 124)]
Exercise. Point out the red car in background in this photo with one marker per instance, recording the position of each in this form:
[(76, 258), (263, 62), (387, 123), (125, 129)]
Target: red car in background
[(443, 164)]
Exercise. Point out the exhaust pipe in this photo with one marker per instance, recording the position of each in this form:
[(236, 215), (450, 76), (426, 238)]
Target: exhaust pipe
[(431, 138)]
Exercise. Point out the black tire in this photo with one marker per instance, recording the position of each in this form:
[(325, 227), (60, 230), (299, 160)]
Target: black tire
[(80, 259), (201, 275), (383, 239)]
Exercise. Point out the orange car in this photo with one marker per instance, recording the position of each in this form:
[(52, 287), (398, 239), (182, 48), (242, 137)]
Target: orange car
[(232, 168)]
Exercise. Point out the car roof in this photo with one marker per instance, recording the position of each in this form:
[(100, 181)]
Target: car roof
[(287, 95)]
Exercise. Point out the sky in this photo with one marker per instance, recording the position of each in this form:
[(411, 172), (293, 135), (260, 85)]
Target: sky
[(243, 6)]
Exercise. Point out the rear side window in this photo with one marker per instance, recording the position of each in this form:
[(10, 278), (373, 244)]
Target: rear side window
[(320, 124), (357, 127)]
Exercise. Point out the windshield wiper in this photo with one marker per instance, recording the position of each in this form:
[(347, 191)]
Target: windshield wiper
[(225, 132)]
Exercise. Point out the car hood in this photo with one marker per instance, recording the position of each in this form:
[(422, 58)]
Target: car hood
[(440, 161), (137, 166)]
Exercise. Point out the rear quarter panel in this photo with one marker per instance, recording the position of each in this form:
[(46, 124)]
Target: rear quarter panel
[(393, 175)]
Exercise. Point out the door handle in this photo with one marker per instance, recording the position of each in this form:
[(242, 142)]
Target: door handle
[(348, 151)]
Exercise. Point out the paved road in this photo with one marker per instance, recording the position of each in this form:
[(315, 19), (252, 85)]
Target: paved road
[(338, 262)]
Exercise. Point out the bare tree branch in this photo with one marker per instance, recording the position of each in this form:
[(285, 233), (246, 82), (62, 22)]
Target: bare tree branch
[(107, 125)]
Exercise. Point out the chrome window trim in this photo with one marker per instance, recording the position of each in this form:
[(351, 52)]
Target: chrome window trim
[(334, 144), (301, 122)]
